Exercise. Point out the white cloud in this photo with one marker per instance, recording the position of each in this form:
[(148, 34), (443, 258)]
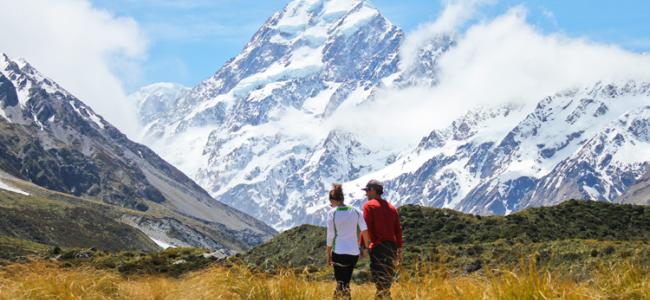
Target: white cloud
[(82, 48), (454, 14), (499, 61), (508, 60)]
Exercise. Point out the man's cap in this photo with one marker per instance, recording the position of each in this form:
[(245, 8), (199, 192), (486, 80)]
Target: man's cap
[(376, 184)]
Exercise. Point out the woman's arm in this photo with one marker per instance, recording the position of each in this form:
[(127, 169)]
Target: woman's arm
[(366, 238), (330, 238)]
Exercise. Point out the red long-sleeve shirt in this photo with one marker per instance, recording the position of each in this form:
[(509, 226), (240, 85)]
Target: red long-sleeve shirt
[(383, 222)]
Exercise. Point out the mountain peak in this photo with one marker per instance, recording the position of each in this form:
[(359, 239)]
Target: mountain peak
[(313, 21), (5, 61), (20, 63), (302, 10)]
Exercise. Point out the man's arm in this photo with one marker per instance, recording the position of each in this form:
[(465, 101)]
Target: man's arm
[(398, 231), (398, 237), (369, 219)]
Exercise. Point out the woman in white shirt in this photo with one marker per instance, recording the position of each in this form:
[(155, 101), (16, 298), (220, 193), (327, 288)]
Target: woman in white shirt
[(344, 225)]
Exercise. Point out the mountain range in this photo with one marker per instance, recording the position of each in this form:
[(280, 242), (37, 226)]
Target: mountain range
[(239, 133), (50, 138)]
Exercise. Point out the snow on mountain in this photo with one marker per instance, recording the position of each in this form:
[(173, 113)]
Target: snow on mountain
[(257, 134), (424, 71), (154, 99), (6, 187), (614, 153), (589, 143), (306, 62), (16, 106), (445, 165), (311, 49)]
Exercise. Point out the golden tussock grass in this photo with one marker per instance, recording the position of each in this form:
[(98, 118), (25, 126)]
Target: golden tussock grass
[(45, 280)]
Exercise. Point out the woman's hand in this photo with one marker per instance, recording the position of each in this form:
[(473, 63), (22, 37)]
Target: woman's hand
[(328, 253), (364, 253)]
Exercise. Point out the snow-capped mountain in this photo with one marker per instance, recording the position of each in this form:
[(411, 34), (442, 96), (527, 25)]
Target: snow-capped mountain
[(51, 138), (311, 56), (236, 134), (307, 61), (589, 143)]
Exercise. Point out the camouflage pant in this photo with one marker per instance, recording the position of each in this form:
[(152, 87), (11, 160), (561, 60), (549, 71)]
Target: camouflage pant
[(382, 267)]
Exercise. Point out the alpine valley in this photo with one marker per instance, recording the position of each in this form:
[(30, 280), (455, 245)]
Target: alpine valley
[(233, 132), (71, 179)]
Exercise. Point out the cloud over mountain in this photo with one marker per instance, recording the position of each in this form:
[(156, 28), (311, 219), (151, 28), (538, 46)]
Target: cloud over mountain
[(89, 51)]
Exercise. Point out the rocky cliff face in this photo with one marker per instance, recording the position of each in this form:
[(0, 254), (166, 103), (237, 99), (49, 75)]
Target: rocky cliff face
[(639, 193)]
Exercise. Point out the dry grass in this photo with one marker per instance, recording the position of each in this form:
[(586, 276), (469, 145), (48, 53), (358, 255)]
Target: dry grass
[(44, 280)]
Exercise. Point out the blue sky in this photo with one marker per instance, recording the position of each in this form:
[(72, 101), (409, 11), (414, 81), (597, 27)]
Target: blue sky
[(190, 40)]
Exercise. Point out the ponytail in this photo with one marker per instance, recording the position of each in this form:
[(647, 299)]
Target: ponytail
[(336, 193)]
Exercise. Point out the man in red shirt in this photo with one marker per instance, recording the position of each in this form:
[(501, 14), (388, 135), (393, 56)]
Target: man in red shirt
[(385, 231)]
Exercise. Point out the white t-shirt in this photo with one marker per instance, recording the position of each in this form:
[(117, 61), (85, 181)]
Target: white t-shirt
[(342, 225)]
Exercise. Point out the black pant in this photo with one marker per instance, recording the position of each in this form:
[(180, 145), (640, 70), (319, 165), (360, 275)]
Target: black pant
[(382, 267), (343, 266)]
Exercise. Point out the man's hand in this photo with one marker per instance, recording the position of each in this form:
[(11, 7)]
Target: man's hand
[(398, 259)]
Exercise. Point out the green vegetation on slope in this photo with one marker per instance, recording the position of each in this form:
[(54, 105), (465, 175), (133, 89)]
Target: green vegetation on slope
[(572, 219), (43, 221), (12, 248), (298, 247), (59, 207), (171, 261), (569, 236)]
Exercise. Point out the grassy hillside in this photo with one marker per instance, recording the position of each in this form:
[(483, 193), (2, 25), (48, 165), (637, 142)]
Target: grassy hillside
[(298, 247), (55, 218), (570, 236), (572, 219), (13, 248), (28, 223)]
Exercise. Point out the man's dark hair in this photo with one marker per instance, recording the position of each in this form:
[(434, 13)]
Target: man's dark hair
[(378, 188), (376, 185)]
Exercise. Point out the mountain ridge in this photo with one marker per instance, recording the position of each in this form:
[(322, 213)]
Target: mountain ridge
[(570, 233), (51, 138)]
